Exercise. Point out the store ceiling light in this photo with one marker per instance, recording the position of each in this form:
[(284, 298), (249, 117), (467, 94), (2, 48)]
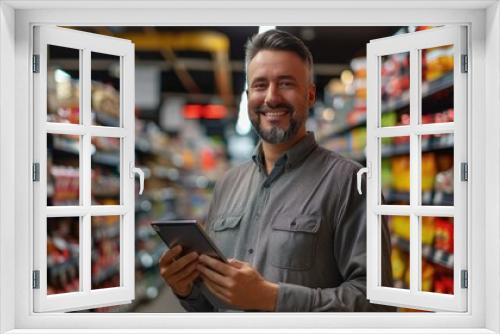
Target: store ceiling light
[(347, 77), (60, 76), (266, 28)]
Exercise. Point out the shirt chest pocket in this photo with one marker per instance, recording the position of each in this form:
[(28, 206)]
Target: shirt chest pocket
[(225, 233), (293, 241)]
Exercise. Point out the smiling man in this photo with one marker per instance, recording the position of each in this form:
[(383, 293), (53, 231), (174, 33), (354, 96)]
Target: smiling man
[(290, 220)]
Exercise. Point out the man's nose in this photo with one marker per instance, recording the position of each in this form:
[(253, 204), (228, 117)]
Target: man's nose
[(273, 96)]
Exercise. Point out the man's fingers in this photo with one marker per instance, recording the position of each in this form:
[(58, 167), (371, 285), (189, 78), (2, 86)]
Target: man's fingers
[(216, 265), (169, 255), (213, 276), (216, 290), (236, 264), (179, 264), (183, 274)]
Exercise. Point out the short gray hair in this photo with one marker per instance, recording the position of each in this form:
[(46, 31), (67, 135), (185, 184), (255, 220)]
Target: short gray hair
[(278, 40)]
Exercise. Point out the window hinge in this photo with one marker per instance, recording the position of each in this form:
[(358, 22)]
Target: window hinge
[(465, 279), (464, 171), (36, 63), (465, 64), (36, 279), (36, 172)]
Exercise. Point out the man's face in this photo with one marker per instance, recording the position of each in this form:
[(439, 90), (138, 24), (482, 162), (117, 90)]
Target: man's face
[(280, 94)]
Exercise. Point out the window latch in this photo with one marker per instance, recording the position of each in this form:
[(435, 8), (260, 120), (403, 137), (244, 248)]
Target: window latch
[(134, 170), (362, 171)]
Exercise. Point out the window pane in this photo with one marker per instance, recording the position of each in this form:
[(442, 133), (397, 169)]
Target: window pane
[(63, 84), (105, 171), (437, 254), (105, 89), (395, 89), (437, 85), (399, 227), (437, 169), (105, 252), (63, 251), (63, 174), (395, 170)]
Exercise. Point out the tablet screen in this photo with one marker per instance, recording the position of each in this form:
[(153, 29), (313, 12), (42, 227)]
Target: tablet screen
[(190, 235)]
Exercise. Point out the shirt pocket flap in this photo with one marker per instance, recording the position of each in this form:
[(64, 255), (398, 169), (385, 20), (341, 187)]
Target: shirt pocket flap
[(225, 223), (301, 223)]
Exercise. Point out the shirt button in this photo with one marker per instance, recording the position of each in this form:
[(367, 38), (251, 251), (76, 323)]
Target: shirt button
[(250, 251)]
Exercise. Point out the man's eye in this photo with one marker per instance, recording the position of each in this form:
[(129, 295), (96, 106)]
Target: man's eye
[(286, 84), (259, 86)]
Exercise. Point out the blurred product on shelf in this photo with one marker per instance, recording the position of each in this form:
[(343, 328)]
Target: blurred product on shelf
[(437, 62), (437, 252), (64, 183), (62, 255), (105, 99), (105, 265), (395, 76), (63, 94), (400, 166), (444, 234), (429, 171)]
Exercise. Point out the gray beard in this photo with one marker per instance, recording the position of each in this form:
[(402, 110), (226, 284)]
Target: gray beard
[(276, 135)]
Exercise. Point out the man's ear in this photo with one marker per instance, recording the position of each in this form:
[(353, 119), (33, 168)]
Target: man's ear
[(311, 94)]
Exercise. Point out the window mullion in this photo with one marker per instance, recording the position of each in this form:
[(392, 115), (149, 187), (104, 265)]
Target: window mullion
[(86, 175), (415, 176)]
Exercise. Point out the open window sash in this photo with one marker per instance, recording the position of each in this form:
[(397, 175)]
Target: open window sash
[(80, 131), (415, 130)]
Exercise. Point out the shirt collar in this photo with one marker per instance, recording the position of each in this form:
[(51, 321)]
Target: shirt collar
[(293, 157)]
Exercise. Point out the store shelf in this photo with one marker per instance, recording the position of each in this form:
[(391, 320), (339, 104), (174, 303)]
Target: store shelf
[(106, 274), (404, 149), (428, 198), (338, 131), (59, 268), (106, 120), (142, 145), (436, 256), (65, 147), (400, 149), (106, 233), (428, 89), (107, 159)]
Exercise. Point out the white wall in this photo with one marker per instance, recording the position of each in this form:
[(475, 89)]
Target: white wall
[(7, 175), (493, 165)]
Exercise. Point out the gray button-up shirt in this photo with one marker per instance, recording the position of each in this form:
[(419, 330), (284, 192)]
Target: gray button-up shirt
[(303, 226)]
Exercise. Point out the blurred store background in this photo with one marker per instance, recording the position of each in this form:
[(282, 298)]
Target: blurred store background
[(191, 126)]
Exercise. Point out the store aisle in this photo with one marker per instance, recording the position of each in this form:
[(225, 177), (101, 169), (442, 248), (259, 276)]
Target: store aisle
[(166, 302)]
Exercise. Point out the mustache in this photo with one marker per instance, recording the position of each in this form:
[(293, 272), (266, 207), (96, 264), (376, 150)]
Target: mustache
[(267, 108)]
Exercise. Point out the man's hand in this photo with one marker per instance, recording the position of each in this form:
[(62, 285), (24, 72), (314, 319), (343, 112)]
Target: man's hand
[(238, 284), (179, 273)]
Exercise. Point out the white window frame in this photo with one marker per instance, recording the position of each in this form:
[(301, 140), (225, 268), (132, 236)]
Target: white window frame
[(85, 43), (16, 20), (412, 43)]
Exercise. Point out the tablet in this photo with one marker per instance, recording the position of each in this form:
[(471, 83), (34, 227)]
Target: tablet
[(190, 235)]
